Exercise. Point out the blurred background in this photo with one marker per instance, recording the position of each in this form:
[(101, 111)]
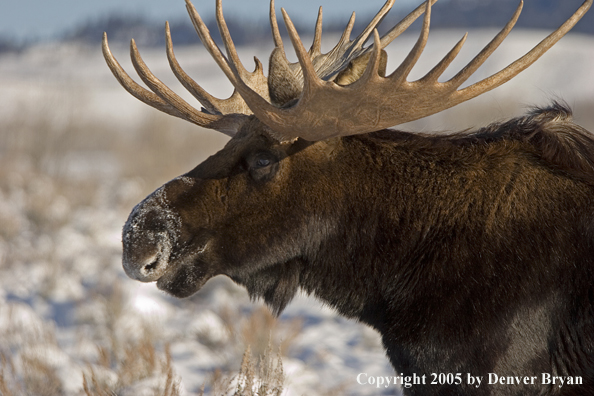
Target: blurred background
[(77, 152)]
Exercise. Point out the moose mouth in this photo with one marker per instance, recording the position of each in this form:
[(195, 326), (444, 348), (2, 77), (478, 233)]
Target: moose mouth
[(185, 278), (156, 257), (182, 273)]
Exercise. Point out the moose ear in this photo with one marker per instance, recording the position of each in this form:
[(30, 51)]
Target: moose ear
[(357, 66)]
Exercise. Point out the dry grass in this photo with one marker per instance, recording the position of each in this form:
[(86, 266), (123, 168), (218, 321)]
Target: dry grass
[(258, 329), (264, 378), (40, 378), (9, 387), (35, 376), (139, 361)]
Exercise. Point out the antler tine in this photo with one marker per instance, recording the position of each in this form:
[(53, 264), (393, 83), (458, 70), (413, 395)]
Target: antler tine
[(357, 44), (441, 67), (521, 64), (234, 70), (148, 97), (188, 112), (212, 104), (228, 42), (264, 110), (372, 69), (362, 38), (316, 46), (309, 73), (355, 49), (339, 49), (348, 50), (404, 24), (346, 35), (209, 43), (276, 36), (400, 74), (478, 60)]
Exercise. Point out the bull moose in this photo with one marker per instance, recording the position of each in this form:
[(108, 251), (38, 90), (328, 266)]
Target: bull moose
[(471, 253)]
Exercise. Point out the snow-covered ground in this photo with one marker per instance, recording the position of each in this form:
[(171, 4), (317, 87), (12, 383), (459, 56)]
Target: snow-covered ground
[(77, 152)]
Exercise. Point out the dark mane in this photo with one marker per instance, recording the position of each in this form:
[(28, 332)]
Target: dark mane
[(548, 133)]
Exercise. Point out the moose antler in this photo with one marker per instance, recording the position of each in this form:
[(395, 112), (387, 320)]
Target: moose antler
[(326, 109), (341, 93), (162, 98), (285, 81)]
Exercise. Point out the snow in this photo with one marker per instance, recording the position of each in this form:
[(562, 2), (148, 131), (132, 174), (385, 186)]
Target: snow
[(63, 294)]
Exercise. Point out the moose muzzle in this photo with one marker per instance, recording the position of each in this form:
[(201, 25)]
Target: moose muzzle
[(148, 237)]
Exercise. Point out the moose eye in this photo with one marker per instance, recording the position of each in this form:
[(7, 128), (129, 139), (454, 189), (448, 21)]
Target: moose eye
[(262, 162), (263, 166)]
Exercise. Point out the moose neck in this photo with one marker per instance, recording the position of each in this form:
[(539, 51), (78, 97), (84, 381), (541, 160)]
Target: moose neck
[(423, 229), (410, 226), (353, 268)]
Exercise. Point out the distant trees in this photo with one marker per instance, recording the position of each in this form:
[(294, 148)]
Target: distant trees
[(537, 14), (7, 45)]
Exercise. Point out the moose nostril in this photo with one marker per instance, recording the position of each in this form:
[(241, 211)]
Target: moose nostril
[(150, 267), (152, 264), (147, 262), (155, 266)]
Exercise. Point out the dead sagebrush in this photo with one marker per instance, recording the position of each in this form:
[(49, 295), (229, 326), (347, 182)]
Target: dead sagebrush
[(171, 387), (259, 327), (40, 378), (264, 378), (94, 388), (33, 376), (9, 386), (271, 373), (139, 361), (246, 377)]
